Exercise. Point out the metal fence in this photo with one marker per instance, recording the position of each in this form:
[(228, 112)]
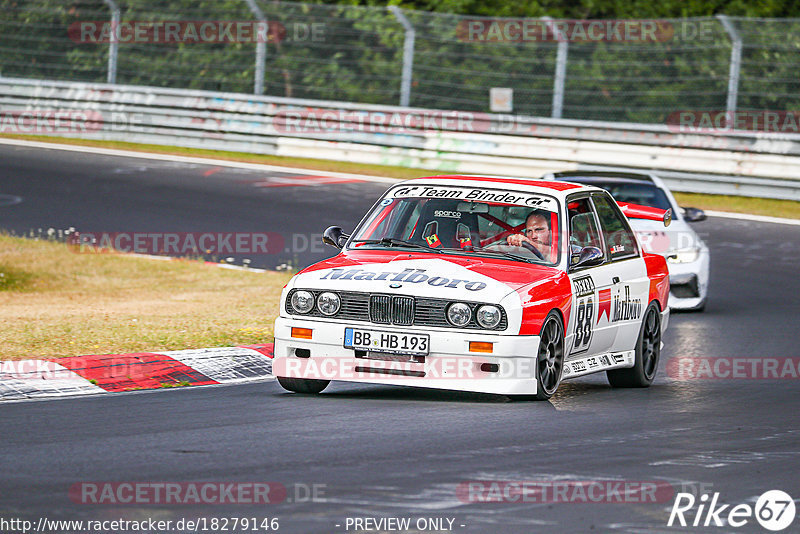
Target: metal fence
[(636, 71)]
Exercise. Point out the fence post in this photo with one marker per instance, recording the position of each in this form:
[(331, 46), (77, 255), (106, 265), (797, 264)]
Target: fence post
[(561, 69), (735, 69), (408, 55), (113, 46), (261, 47)]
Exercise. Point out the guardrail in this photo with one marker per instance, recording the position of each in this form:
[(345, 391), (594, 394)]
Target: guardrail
[(733, 163)]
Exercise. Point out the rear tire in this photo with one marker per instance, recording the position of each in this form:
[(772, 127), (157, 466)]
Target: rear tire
[(303, 385), (648, 350)]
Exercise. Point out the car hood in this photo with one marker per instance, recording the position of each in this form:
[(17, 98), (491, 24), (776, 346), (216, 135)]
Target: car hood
[(423, 274), (657, 239)]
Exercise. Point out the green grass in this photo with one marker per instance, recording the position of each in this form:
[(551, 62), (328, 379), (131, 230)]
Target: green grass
[(63, 303), (758, 206)]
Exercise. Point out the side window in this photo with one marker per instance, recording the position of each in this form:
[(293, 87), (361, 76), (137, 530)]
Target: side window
[(619, 239), (583, 231)]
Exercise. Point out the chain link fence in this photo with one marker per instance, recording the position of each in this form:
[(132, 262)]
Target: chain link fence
[(633, 71)]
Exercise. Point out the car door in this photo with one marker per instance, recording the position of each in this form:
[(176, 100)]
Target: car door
[(591, 333), (625, 300)]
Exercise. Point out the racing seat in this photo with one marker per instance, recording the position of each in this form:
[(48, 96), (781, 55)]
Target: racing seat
[(435, 218)]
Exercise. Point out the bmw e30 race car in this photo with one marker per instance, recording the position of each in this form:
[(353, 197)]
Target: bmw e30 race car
[(486, 284)]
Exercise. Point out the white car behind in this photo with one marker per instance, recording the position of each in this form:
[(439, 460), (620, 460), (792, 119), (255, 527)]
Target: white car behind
[(687, 255)]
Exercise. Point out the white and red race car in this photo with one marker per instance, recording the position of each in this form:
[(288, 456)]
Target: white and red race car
[(486, 284)]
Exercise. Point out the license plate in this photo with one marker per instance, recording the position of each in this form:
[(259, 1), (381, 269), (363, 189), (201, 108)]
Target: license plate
[(391, 342)]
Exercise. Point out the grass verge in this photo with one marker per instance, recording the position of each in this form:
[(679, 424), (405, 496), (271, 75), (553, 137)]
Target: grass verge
[(757, 206), (61, 303)]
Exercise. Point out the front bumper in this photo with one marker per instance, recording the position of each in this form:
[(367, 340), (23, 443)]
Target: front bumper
[(510, 369), (688, 283)]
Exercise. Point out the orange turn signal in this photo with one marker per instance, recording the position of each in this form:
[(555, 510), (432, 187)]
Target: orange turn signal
[(481, 346), (301, 333)]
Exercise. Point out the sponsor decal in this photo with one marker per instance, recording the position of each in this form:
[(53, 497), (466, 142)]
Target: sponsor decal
[(412, 276), (592, 362), (584, 286), (626, 308), (584, 293), (604, 359), (603, 304), (617, 248), (449, 214), (578, 367), (475, 195), (618, 358)]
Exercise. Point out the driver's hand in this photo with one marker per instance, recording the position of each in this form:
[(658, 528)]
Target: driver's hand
[(516, 240)]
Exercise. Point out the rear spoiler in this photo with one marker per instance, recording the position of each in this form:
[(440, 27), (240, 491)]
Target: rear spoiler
[(637, 211)]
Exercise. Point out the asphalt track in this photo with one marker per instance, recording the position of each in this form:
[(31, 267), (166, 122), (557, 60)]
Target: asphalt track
[(380, 451)]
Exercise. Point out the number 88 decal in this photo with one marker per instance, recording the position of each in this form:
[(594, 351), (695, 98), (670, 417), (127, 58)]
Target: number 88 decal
[(583, 324)]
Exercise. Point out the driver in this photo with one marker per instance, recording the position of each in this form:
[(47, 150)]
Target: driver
[(537, 233)]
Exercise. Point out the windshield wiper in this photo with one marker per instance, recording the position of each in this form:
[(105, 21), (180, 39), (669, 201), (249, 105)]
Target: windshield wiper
[(507, 255), (393, 242)]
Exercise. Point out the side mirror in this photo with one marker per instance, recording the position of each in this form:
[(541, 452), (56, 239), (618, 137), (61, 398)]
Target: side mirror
[(334, 237), (694, 214), (588, 257)]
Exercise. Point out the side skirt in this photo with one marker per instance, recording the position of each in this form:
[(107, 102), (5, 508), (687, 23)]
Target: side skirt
[(593, 364)]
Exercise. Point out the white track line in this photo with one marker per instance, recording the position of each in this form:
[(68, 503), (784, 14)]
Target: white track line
[(754, 218)]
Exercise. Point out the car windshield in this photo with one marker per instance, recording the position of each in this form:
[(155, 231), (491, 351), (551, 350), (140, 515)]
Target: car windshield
[(636, 193), (473, 221)]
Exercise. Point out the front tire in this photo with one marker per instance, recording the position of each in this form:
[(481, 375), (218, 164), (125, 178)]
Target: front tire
[(550, 357), (648, 350), (303, 385)]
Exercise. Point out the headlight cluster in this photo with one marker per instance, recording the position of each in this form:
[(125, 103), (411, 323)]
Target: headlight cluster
[(686, 255), (459, 314), (328, 303)]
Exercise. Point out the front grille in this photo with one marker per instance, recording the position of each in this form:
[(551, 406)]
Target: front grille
[(395, 309), (403, 310), (380, 309)]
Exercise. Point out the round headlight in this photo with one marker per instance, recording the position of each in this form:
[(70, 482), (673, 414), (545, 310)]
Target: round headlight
[(329, 303), (302, 301), (459, 314), (488, 316)]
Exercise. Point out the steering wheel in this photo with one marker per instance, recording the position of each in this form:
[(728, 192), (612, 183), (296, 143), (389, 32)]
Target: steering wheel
[(536, 251), (525, 244)]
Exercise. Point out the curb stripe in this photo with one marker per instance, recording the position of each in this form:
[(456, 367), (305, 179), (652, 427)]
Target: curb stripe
[(111, 373), (125, 372)]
